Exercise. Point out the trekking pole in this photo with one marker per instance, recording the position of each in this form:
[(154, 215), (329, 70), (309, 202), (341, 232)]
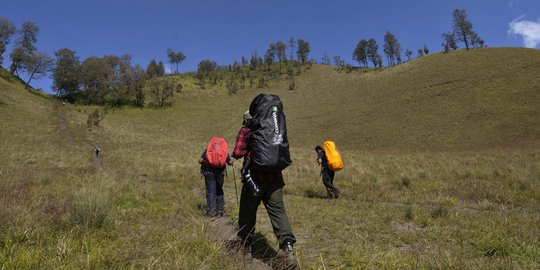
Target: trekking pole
[(235, 188)]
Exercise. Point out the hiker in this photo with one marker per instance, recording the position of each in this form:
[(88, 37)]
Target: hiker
[(97, 149), (262, 141), (327, 173), (213, 161)]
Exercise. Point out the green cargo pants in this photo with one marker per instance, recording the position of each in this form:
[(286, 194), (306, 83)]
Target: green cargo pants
[(272, 197)]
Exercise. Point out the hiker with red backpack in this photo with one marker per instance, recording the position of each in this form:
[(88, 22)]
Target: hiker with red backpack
[(213, 161), (330, 161), (263, 144)]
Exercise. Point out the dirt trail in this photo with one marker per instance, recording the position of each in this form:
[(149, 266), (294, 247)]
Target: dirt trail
[(222, 230), (83, 143)]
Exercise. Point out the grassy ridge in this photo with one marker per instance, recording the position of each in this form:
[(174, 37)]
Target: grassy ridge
[(461, 100), (442, 171)]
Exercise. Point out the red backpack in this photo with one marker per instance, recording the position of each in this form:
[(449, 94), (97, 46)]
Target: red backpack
[(217, 152)]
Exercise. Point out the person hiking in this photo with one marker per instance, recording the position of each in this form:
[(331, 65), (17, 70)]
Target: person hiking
[(213, 170), (262, 176), (327, 173)]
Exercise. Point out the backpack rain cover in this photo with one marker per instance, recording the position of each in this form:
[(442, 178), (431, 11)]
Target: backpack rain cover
[(269, 144), (216, 152)]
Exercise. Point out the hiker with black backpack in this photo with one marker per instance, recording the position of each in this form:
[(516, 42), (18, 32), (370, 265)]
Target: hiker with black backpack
[(330, 161), (213, 161), (267, 155)]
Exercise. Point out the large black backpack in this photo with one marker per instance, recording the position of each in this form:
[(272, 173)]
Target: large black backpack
[(269, 144)]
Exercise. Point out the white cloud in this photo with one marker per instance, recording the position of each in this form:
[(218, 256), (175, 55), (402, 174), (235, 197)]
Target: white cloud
[(528, 30)]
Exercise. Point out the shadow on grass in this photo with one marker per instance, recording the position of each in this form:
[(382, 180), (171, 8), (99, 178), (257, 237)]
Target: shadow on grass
[(261, 249), (315, 194)]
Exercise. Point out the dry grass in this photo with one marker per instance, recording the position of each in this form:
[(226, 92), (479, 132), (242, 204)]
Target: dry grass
[(442, 171)]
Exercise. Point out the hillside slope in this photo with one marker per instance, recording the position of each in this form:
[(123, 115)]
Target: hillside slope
[(461, 100)]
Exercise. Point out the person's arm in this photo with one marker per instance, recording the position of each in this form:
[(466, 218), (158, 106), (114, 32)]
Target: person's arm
[(319, 158), (239, 147), (230, 161), (203, 157)]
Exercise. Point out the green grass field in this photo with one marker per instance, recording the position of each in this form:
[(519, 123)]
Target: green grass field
[(442, 170)]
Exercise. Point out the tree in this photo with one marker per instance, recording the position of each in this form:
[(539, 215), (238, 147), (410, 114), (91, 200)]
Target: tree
[(206, 67), (254, 61), (372, 52), (476, 41), (152, 70), (175, 58), (24, 46), (463, 27), (161, 89), (232, 85), (281, 51), (120, 79), (65, 73), (360, 53), (270, 54), (17, 58), (303, 51), (37, 65), (326, 59), (135, 79), (449, 41), (339, 61), (28, 36), (392, 49), (7, 28), (408, 53), (292, 46), (94, 78), (379, 61), (161, 69), (426, 50)]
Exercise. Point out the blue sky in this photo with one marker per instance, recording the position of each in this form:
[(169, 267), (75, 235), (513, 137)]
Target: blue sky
[(226, 30)]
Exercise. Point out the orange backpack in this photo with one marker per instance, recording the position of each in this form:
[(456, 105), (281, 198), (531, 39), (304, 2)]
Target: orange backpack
[(335, 163), (217, 152)]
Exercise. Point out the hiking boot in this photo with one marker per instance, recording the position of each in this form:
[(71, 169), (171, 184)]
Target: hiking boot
[(290, 259), (336, 193), (329, 194)]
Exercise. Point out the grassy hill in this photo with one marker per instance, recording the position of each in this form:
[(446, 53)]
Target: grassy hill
[(442, 171)]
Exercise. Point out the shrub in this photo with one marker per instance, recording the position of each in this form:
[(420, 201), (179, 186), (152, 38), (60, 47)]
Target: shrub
[(94, 118), (439, 211), (409, 214), (91, 209)]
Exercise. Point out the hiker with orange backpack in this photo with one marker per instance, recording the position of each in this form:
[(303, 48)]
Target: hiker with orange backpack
[(330, 161), (213, 161)]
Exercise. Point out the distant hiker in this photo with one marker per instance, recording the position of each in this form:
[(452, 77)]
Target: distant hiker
[(213, 161), (97, 149), (263, 140), (329, 167)]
